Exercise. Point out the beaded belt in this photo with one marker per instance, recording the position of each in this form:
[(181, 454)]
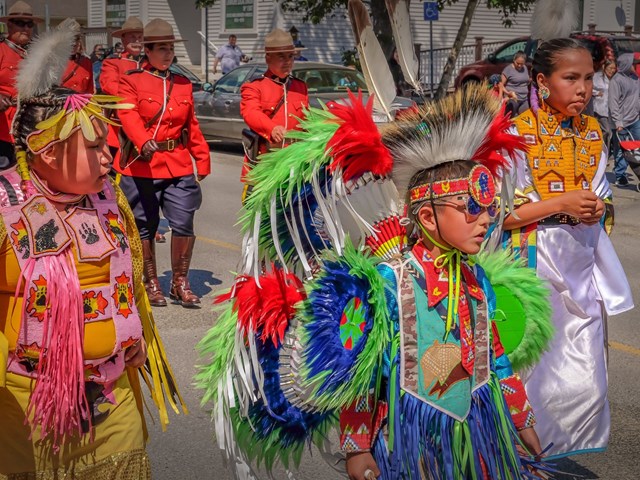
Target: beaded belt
[(560, 219)]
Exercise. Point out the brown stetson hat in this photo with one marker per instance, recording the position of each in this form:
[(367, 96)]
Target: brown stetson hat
[(278, 41), (159, 31), (133, 24), (21, 11)]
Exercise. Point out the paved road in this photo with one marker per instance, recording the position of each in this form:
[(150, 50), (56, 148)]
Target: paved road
[(187, 450)]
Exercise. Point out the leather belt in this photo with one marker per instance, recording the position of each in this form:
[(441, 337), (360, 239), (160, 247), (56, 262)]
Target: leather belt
[(560, 219), (170, 145)]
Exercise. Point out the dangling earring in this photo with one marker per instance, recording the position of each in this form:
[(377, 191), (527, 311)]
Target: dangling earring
[(544, 92)]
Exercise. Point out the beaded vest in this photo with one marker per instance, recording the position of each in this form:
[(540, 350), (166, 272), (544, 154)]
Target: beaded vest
[(36, 230), (562, 155)]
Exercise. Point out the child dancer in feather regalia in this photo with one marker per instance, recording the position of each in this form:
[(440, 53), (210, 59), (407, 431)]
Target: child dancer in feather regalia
[(448, 403), (75, 324), (350, 326)]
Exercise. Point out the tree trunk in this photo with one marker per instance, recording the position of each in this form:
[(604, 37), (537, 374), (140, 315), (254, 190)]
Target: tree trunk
[(455, 50), (382, 26)]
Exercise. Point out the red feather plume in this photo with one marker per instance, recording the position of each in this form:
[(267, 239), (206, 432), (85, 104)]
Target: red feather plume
[(357, 146), (266, 308), (498, 141)]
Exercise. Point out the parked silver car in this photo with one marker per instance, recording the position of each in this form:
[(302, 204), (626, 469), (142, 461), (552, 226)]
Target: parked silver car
[(218, 106)]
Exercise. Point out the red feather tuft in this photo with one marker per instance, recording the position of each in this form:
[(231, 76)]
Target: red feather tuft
[(498, 141), (357, 146), (267, 308)]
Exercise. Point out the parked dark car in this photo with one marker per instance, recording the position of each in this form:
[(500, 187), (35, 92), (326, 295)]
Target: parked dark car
[(218, 106), (184, 71), (602, 46)]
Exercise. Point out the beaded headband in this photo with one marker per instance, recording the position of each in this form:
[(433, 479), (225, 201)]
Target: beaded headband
[(479, 184)]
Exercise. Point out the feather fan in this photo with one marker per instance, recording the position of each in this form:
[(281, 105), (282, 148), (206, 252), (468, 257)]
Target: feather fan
[(47, 60), (401, 26), (374, 63), (554, 19)]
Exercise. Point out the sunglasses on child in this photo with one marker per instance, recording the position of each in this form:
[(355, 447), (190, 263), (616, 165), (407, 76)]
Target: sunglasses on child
[(472, 208), (22, 23)]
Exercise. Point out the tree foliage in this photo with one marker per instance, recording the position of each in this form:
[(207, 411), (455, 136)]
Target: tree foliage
[(316, 10)]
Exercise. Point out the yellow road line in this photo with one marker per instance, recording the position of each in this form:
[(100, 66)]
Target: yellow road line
[(625, 348), (236, 248), (220, 243)]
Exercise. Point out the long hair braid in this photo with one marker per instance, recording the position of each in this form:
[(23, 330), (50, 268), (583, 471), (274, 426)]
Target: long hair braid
[(33, 110)]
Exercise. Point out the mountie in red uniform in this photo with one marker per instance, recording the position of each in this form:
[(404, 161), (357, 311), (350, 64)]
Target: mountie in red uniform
[(260, 99), (163, 112), (176, 129), (79, 75), (113, 69), (10, 57)]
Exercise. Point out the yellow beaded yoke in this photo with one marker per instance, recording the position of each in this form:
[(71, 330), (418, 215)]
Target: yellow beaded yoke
[(561, 159)]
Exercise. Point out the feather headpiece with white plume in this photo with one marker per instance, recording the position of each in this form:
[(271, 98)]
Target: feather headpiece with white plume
[(554, 19), (48, 57), (468, 125), (40, 74)]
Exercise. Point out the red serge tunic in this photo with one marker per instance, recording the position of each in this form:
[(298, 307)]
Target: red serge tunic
[(10, 57), (146, 89), (79, 75), (113, 69), (260, 98)]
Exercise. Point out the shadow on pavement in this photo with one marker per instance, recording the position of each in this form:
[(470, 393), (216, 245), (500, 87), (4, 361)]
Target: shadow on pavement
[(572, 470), (201, 281)]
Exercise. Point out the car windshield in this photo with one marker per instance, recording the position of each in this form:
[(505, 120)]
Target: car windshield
[(326, 80)]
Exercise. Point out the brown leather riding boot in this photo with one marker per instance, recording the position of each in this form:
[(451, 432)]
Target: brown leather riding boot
[(151, 284), (181, 251)]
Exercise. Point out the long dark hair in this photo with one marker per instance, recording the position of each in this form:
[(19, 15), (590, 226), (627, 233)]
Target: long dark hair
[(34, 110), (546, 56)]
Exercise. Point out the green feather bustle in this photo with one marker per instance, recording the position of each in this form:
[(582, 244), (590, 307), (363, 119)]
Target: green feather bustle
[(282, 172), (268, 451), (519, 287), (217, 348), (361, 264)]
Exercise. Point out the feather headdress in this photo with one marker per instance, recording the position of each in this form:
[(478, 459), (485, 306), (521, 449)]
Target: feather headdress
[(373, 60), (40, 72), (47, 60), (554, 19), (468, 125), (400, 18)]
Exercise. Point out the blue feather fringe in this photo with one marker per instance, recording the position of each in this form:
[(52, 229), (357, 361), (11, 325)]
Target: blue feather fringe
[(301, 212), (424, 440), (324, 307), (291, 425)]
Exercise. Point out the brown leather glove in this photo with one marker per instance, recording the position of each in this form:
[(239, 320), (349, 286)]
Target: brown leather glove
[(148, 149)]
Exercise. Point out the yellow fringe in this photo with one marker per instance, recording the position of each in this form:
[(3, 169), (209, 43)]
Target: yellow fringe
[(160, 378)]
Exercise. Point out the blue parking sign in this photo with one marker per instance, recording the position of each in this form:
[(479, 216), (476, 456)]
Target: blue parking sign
[(431, 11)]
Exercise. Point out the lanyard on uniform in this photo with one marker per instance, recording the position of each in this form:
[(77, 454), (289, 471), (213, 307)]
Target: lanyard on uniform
[(286, 113), (165, 100)]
